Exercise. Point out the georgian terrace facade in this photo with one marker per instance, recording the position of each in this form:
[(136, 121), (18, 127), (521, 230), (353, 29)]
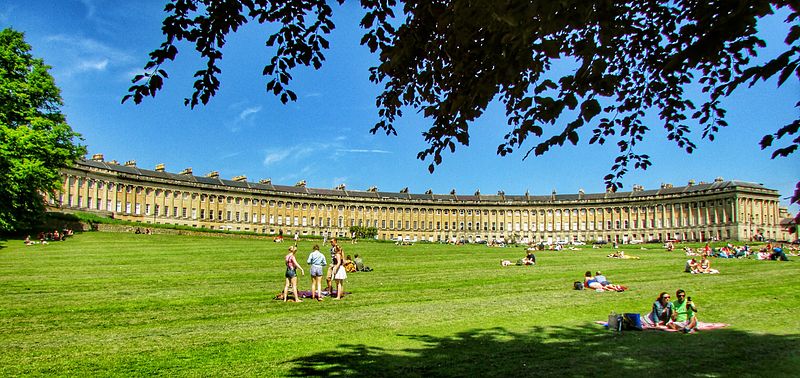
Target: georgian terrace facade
[(722, 210)]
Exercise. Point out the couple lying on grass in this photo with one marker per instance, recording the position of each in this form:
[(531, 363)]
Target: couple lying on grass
[(678, 315), (600, 283), (529, 259)]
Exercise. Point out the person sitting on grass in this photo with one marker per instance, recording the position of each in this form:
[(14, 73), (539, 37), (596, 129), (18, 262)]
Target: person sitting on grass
[(683, 313), (692, 266), (661, 314), (705, 266), (530, 259), (349, 265), (778, 254), (359, 263)]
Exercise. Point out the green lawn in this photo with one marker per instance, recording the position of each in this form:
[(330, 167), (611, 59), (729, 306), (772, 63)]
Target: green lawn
[(124, 304)]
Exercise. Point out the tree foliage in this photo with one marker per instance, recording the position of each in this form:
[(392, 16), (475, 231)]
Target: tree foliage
[(450, 58), (35, 140)]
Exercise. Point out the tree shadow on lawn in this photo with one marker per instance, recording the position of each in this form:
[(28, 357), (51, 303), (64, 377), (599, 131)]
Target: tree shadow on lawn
[(588, 350)]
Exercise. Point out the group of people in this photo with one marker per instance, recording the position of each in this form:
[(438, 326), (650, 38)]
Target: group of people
[(599, 282), (337, 271), (45, 237), (678, 315), (701, 267), (729, 251)]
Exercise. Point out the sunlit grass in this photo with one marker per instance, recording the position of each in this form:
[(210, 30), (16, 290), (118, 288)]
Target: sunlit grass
[(124, 304)]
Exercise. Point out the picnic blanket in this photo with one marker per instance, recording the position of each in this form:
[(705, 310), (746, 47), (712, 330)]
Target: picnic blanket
[(701, 326), (307, 294)]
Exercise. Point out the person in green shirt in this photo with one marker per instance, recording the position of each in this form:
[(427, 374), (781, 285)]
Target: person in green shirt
[(683, 313)]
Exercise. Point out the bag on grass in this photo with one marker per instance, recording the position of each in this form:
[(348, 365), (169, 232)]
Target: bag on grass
[(615, 322), (577, 285), (632, 322)]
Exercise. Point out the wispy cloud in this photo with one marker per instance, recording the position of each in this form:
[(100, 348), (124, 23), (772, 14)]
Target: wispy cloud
[(249, 112), (5, 13), (243, 115), (86, 54), (91, 8), (230, 155), (360, 151), (313, 94), (295, 153), (92, 65)]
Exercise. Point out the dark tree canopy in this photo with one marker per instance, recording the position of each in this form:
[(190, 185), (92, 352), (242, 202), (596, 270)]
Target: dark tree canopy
[(35, 140), (450, 58)]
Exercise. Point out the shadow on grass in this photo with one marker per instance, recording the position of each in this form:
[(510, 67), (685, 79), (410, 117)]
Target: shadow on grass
[(581, 351)]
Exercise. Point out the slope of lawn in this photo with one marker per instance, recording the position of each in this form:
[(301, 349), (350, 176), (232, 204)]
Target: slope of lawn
[(125, 304)]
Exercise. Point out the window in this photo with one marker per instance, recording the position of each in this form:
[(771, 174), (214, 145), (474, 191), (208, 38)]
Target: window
[(127, 207), (138, 208), (194, 213)]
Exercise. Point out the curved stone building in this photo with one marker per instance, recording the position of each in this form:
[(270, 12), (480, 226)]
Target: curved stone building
[(721, 210)]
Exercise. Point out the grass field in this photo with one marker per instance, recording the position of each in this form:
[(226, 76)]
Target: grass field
[(124, 304)]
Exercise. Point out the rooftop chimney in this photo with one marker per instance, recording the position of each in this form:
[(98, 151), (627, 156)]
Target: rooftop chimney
[(97, 157), (213, 174), (160, 167), (240, 178), (187, 171), (266, 181), (130, 163)]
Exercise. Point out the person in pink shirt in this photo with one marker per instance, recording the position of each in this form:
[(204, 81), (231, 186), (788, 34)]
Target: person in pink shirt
[(291, 274)]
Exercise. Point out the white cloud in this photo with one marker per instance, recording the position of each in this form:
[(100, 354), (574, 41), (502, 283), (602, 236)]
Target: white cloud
[(249, 112), (355, 150), (230, 155), (91, 65), (90, 47), (87, 55), (291, 153), (90, 8)]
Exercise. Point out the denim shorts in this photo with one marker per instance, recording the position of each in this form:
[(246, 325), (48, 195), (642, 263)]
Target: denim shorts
[(291, 273), (316, 271)]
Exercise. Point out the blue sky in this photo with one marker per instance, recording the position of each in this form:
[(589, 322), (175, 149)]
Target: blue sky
[(96, 46)]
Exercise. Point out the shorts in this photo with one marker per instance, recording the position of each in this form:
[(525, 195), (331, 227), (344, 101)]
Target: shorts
[(681, 324), (316, 270), (291, 273)]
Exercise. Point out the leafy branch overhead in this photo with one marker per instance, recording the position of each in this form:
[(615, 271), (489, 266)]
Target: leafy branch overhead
[(450, 59)]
